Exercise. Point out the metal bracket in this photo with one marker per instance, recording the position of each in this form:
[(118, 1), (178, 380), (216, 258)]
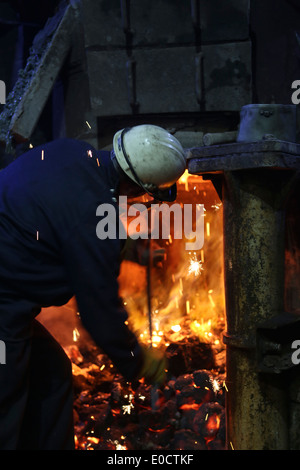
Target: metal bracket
[(274, 343)]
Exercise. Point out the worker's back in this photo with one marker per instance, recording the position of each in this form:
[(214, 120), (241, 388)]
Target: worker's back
[(44, 195)]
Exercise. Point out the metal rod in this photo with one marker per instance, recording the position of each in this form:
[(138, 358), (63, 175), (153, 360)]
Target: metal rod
[(149, 269)]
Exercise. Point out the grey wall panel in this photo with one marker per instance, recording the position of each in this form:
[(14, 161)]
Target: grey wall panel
[(224, 20), (108, 82), (163, 22), (228, 76), (165, 79), (102, 23)]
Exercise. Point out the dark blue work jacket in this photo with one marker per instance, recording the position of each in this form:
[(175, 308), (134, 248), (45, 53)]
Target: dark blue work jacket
[(49, 250)]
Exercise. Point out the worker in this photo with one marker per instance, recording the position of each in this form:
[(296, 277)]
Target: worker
[(49, 252)]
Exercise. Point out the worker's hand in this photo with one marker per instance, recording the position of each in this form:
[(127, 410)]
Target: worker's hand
[(154, 367)]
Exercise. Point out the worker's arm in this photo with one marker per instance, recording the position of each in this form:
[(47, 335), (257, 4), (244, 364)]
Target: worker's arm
[(92, 268)]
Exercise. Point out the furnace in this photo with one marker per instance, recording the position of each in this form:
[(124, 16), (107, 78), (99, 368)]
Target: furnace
[(187, 322)]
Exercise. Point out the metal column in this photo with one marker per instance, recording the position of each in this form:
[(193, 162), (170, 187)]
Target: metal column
[(256, 180), (254, 239)]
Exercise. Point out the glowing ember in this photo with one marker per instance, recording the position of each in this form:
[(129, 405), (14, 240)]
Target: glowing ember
[(156, 338), (94, 440), (213, 423), (119, 446), (127, 408), (176, 328)]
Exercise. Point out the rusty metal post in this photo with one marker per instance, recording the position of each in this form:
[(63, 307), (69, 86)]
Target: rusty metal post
[(255, 179), (254, 241)]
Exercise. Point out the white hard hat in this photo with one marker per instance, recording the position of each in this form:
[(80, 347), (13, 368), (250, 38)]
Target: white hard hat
[(151, 157)]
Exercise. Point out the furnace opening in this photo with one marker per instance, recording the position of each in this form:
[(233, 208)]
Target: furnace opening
[(175, 302)]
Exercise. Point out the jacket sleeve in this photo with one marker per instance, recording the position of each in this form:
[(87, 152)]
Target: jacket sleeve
[(92, 269)]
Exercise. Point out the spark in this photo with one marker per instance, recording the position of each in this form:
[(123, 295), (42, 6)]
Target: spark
[(102, 367), (98, 163), (76, 334), (43, 154), (208, 229), (195, 266), (215, 385), (210, 298), (90, 153), (231, 445), (181, 286), (88, 124), (225, 386), (37, 234)]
